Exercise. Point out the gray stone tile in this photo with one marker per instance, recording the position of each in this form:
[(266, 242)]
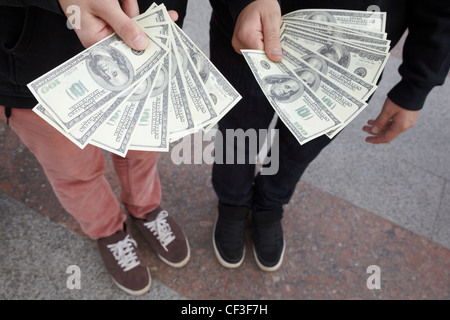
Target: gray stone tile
[(384, 185), (441, 228), (36, 252), (401, 181)]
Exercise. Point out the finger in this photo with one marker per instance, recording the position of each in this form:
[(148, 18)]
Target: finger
[(247, 32), (130, 7), (387, 137), (387, 134), (173, 15), (271, 32), (367, 129), (375, 140), (87, 37), (245, 37), (381, 121), (126, 28)]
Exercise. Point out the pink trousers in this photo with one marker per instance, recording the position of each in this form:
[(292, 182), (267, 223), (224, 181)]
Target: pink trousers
[(78, 180)]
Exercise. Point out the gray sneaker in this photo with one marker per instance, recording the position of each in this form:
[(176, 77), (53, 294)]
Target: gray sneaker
[(124, 262), (165, 237)]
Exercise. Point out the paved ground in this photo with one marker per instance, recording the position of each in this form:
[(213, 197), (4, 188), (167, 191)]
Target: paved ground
[(357, 205)]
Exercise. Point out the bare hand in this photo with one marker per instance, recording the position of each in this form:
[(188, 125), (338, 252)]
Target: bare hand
[(258, 27), (100, 18), (390, 123)]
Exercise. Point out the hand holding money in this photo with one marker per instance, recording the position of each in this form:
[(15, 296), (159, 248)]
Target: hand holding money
[(333, 59), (258, 27), (119, 99), (101, 18)]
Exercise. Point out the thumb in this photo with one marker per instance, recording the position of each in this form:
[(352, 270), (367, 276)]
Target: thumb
[(271, 32), (127, 29)]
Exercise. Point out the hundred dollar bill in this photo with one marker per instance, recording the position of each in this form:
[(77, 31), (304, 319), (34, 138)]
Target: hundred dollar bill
[(295, 103), (82, 133), (367, 64), (343, 105), (154, 16), (335, 27), (348, 82), (180, 118), (326, 37), (116, 133), (93, 79), (119, 99), (223, 95), (40, 111), (200, 104), (343, 36), (181, 122), (368, 20), (151, 132), (156, 22)]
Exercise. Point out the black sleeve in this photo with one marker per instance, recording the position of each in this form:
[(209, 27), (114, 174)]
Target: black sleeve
[(236, 6), (49, 5), (53, 5), (426, 53)]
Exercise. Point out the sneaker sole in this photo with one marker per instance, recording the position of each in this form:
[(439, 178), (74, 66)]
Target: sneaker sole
[(136, 292), (181, 263), (266, 268), (219, 257)]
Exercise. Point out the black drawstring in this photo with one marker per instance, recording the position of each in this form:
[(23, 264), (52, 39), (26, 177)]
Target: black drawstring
[(7, 114)]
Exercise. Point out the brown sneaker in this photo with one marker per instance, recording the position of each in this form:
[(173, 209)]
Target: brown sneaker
[(124, 262), (165, 237)]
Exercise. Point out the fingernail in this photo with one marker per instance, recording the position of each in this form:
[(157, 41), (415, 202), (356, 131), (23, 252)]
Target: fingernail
[(276, 52), (140, 42)]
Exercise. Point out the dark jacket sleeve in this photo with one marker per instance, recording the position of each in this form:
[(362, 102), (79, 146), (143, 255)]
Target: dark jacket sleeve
[(53, 5), (236, 6), (426, 53), (49, 5)]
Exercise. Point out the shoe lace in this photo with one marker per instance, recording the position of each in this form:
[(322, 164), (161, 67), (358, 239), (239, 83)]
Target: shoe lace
[(270, 241), (124, 253), (270, 238), (233, 233), (161, 229)]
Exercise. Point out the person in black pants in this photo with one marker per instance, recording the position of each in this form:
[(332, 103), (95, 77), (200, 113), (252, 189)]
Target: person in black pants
[(248, 24)]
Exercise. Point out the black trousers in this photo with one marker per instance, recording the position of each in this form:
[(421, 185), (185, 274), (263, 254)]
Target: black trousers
[(237, 184)]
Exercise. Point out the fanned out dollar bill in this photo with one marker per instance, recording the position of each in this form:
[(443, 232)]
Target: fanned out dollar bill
[(120, 99), (332, 61)]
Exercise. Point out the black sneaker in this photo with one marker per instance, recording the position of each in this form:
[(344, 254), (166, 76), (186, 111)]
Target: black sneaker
[(229, 235), (268, 240)]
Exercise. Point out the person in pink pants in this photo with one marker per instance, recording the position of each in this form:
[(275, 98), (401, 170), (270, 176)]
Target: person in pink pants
[(34, 38)]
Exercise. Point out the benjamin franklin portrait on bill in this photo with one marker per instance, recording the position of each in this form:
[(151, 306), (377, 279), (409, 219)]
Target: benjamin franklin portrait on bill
[(283, 88), (110, 68)]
